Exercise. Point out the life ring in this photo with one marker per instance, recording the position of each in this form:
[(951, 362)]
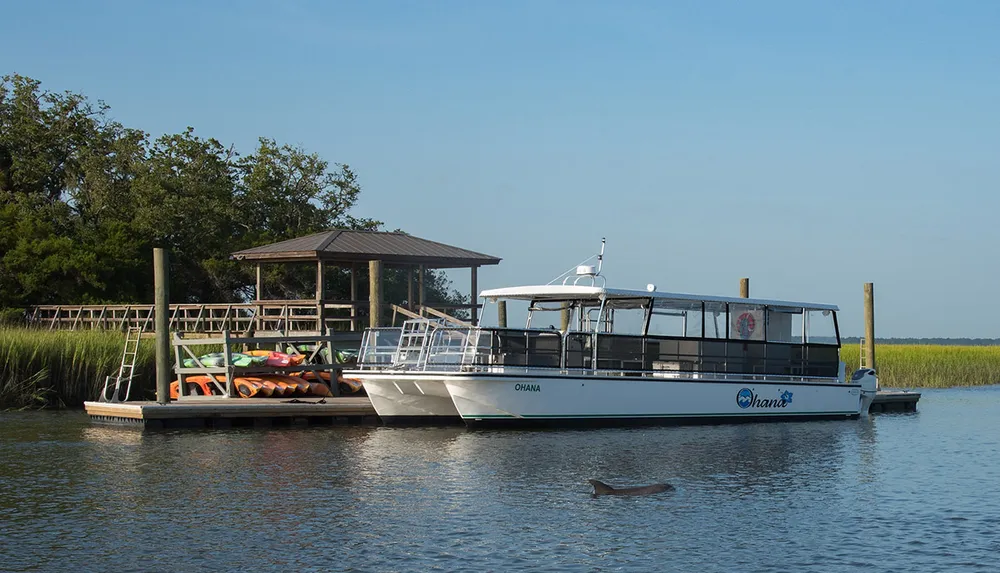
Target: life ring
[(745, 325)]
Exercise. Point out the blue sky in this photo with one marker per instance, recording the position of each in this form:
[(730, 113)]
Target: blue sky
[(812, 146)]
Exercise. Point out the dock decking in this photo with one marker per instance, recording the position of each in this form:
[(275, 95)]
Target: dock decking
[(217, 412), (894, 401)]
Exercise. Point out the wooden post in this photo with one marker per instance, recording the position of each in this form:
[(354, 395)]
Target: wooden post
[(259, 294), (744, 288), (870, 325), (564, 316), (475, 295), (375, 293), (320, 293), (409, 289), (354, 297), (502, 313), (161, 297), (420, 288)]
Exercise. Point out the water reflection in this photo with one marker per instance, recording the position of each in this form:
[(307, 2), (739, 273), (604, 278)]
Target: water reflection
[(763, 497)]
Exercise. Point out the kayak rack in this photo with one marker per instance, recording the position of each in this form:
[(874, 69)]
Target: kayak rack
[(320, 351)]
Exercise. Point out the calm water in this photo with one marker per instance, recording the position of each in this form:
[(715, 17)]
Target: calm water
[(905, 492)]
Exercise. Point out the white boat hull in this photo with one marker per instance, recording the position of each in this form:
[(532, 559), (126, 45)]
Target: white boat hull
[(401, 398), (504, 399)]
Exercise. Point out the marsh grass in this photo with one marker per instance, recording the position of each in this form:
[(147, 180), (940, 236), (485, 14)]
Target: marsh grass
[(45, 369), (930, 366)]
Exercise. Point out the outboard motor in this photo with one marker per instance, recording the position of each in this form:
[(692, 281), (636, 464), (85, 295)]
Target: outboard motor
[(869, 386)]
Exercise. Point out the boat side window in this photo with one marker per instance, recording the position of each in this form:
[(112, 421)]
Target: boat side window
[(746, 322), (549, 316), (715, 320), (626, 318), (820, 327), (680, 318), (785, 325)]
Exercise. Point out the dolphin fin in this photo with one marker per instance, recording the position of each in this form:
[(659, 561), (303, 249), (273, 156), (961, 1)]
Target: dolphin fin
[(601, 488)]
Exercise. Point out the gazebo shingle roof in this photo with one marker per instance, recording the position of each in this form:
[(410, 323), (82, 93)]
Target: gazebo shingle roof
[(342, 245)]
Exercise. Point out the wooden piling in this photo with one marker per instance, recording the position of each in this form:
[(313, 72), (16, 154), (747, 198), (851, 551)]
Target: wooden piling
[(502, 313), (375, 293), (870, 325), (745, 288), (474, 310), (564, 315), (161, 296)]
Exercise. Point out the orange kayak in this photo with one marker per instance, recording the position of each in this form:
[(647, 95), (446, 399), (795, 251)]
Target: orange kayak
[(254, 386), (301, 386), (350, 384), (196, 385), (282, 387), (311, 375), (319, 389)]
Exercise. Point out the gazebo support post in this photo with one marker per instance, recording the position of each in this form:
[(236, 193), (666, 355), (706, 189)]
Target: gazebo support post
[(375, 296), (420, 289), (409, 288), (320, 291), (354, 297)]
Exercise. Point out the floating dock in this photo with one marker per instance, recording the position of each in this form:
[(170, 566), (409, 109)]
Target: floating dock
[(894, 401), (218, 412)]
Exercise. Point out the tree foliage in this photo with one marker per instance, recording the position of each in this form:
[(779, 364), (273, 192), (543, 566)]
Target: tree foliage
[(84, 199)]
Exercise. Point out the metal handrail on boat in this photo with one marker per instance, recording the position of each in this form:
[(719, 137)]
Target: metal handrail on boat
[(447, 348)]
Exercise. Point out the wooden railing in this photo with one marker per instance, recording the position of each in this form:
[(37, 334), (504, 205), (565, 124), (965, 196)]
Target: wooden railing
[(243, 318)]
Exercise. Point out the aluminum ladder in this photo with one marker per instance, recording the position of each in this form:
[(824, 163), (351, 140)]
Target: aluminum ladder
[(127, 369)]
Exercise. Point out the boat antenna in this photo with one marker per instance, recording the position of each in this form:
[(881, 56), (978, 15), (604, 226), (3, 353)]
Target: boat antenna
[(600, 257), (600, 262)]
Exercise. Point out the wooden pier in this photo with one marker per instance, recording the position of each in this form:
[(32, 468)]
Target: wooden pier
[(221, 412)]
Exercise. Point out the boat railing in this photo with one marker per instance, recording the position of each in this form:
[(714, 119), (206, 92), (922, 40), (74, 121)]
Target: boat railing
[(379, 347), (450, 347), (614, 352), (439, 347)]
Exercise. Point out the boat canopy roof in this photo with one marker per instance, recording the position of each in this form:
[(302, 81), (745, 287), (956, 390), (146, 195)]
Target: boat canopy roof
[(555, 293)]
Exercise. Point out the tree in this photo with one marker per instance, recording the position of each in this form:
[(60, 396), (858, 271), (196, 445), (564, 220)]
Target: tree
[(84, 199), (42, 135)]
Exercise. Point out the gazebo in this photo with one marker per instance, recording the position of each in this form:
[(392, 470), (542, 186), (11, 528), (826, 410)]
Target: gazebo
[(349, 249)]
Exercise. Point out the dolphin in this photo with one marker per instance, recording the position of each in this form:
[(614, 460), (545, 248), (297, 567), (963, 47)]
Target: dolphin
[(601, 488)]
